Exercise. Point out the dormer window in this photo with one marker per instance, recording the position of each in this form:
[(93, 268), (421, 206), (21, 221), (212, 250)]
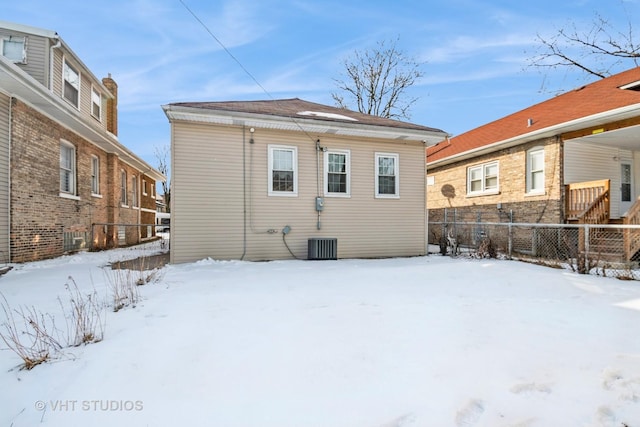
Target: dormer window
[(635, 86), (71, 88), (14, 49), (96, 104)]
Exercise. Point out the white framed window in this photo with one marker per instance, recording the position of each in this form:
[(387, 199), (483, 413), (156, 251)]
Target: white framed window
[(535, 170), (15, 49), (71, 84), (134, 191), (144, 187), (95, 175), (283, 170), (482, 178), (67, 168), (337, 173), (153, 190), (387, 175), (96, 104), (123, 187)]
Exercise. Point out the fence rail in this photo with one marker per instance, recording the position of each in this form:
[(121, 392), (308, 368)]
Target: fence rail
[(584, 248)]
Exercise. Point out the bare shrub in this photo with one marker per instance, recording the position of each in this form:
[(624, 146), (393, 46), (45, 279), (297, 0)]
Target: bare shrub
[(486, 249), (124, 287), (84, 315), (35, 341)]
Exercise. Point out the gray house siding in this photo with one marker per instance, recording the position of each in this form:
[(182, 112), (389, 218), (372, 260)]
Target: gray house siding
[(5, 141)]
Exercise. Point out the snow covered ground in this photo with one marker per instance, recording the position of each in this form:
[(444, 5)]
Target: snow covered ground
[(428, 341)]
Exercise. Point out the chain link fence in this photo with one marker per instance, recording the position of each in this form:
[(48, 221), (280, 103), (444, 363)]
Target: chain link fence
[(606, 250), (112, 235)]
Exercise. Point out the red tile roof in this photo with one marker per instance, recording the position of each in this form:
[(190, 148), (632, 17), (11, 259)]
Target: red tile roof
[(601, 96)]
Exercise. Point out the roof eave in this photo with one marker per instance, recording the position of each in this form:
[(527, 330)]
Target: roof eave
[(308, 125), (573, 125), (17, 83)]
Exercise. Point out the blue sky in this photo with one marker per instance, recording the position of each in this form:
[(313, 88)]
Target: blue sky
[(474, 52)]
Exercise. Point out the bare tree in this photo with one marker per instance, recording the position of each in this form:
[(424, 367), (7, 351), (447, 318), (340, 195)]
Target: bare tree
[(597, 51), (377, 79), (163, 154)]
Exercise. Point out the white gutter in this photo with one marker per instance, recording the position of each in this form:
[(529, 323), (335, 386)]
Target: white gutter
[(309, 125), (573, 125)]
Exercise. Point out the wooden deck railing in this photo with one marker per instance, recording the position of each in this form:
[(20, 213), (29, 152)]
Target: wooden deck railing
[(588, 202), (631, 236)]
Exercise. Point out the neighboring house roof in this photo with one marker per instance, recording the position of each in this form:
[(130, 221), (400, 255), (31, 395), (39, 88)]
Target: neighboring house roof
[(606, 100), (298, 114), (16, 82)]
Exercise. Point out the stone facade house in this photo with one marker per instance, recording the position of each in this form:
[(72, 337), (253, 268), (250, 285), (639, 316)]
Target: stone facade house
[(291, 178), (65, 179), (572, 158)]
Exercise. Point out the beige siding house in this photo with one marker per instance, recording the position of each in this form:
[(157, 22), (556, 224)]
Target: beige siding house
[(265, 180)]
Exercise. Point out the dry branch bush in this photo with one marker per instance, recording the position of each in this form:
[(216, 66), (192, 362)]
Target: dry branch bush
[(124, 287), (36, 339), (84, 315)]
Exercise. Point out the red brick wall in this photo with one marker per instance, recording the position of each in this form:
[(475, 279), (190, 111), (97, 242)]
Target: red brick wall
[(39, 215)]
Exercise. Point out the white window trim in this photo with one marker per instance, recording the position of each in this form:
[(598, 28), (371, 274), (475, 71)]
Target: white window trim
[(66, 63), (397, 175), (123, 179), (294, 150), (74, 166), (483, 191), (23, 60), (94, 91), (529, 171), (347, 154), (95, 158), (135, 202), (144, 187)]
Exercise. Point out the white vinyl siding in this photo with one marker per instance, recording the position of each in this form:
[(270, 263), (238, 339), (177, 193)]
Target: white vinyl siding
[(67, 168), (337, 173), (590, 162), (482, 179), (364, 226)]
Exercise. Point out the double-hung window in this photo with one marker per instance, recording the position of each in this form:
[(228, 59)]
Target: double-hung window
[(387, 175), (283, 171), (95, 175), (96, 103), (535, 170), (71, 84), (123, 188), (337, 173), (134, 191), (14, 49), (67, 168), (482, 179)]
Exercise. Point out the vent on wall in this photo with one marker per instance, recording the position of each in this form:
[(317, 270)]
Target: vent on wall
[(322, 248)]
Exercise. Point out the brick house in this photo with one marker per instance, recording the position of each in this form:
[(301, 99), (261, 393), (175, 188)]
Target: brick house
[(65, 179), (572, 158)]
